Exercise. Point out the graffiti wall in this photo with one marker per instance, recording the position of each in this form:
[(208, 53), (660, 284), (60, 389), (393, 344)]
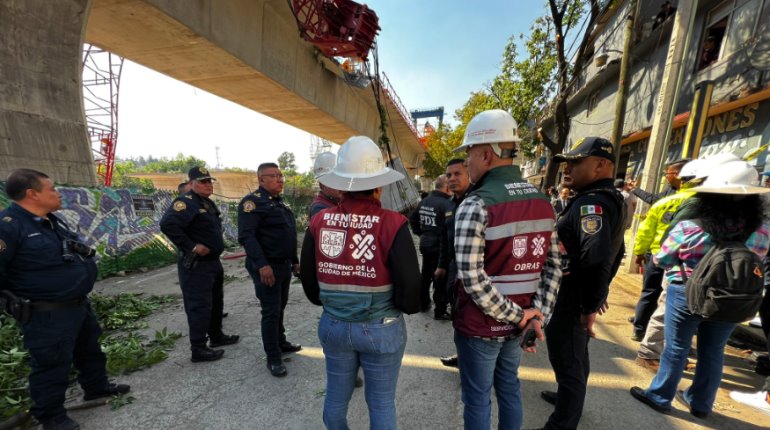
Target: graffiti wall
[(123, 227)]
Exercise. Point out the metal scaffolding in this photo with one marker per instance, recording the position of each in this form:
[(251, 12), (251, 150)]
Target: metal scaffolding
[(101, 83)]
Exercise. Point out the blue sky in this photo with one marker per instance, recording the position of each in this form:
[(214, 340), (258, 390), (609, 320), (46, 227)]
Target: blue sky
[(434, 52)]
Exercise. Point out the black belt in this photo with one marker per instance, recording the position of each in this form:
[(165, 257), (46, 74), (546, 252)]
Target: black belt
[(51, 306)]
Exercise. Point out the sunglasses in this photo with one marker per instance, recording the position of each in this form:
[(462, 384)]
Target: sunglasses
[(203, 181)]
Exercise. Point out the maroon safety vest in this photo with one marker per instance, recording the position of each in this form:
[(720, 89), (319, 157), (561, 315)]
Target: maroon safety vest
[(353, 242), (517, 242)]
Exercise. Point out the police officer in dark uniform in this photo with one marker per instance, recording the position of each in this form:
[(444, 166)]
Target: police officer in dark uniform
[(194, 225), (591, 229), (427, 221), (459, 184), (267, 230), (46, 272)]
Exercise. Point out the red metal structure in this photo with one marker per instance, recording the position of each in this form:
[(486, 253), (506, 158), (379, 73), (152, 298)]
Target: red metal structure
[(101, 82), (339, 28)]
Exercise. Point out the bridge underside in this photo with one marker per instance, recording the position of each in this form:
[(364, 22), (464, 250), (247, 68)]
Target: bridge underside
[(248, 52)]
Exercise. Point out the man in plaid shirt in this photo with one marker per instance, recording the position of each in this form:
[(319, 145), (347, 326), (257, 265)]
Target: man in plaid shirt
[(509, 269)]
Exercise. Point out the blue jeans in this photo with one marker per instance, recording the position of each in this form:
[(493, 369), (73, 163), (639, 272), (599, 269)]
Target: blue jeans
[(377, 348), (483, 364), (680, 328)]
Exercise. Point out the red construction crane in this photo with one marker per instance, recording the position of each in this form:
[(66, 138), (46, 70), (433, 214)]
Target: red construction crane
[(339, 28)]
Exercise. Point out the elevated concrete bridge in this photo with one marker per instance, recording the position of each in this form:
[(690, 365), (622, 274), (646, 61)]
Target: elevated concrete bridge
[(247, 51)]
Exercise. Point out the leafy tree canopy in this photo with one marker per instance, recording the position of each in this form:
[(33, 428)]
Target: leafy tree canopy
[(287, 163)]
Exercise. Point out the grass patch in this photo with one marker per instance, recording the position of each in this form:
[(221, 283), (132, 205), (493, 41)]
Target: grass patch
[(126, 350)]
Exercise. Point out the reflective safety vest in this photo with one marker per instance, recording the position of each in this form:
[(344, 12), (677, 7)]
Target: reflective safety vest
[(517, 242), (353, 242)]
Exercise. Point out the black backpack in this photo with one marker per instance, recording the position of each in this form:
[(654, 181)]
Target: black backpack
[(727, 283)]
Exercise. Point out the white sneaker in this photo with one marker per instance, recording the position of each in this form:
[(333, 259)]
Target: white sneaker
[(756, 322), (755, 400)]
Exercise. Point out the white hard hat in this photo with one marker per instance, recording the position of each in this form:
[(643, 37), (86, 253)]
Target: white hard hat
[(324, 163), (733, 177), (360, 167), (695, 171), (490, 127)]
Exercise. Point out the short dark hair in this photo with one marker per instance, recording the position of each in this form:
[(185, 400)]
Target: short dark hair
[(262, 167), (21, 180), (678, 164), (620, 183), (454, 161)]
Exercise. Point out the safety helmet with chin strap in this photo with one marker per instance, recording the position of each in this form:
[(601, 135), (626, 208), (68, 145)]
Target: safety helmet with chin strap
[(360, 167), (492, 127)]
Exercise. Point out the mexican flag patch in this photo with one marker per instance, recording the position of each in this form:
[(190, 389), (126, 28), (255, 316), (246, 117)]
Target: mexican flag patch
[(590, 210)]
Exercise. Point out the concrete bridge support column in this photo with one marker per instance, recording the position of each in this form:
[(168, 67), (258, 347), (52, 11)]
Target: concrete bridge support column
[(42, 125)]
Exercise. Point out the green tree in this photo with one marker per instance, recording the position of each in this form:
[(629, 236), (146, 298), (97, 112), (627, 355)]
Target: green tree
[(178, 164), (566, 16), (522, 87), (441, 144), (287, 163), (120, 178)]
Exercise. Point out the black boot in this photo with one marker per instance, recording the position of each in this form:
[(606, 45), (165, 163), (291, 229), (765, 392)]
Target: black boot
[(61, 422), (108, 391), (223, 340), (202, 353), (287, 347)]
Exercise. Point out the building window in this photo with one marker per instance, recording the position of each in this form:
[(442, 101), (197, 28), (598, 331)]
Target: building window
[(593, 101), (728, 27)]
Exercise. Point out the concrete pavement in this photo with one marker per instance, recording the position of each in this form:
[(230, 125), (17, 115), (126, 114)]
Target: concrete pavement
[(238, 392)]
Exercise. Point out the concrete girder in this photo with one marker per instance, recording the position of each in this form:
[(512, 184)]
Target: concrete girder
[(42, 124), (249, 52)]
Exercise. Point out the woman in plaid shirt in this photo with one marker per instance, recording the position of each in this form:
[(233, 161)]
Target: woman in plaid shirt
[(729, 208)]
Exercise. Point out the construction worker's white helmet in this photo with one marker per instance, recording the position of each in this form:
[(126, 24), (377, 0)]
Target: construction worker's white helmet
[(324, 163), (360, 167), (696, 171), (491, 127), (733, 177)]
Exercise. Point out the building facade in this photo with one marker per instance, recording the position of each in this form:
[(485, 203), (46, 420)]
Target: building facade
[(729, 45)]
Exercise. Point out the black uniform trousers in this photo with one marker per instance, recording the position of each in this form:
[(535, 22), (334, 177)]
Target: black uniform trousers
[(56, 340), (273, 301), (764, 315), (568, 353), (652, 281), (203, 294), (429, 265)]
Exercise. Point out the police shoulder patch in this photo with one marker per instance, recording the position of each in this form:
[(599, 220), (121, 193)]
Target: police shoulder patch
[(7, 219), (249, 206), (179, 206), (591, 224)]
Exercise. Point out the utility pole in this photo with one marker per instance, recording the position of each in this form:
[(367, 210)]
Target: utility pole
[(620, 97), (668, 97)]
